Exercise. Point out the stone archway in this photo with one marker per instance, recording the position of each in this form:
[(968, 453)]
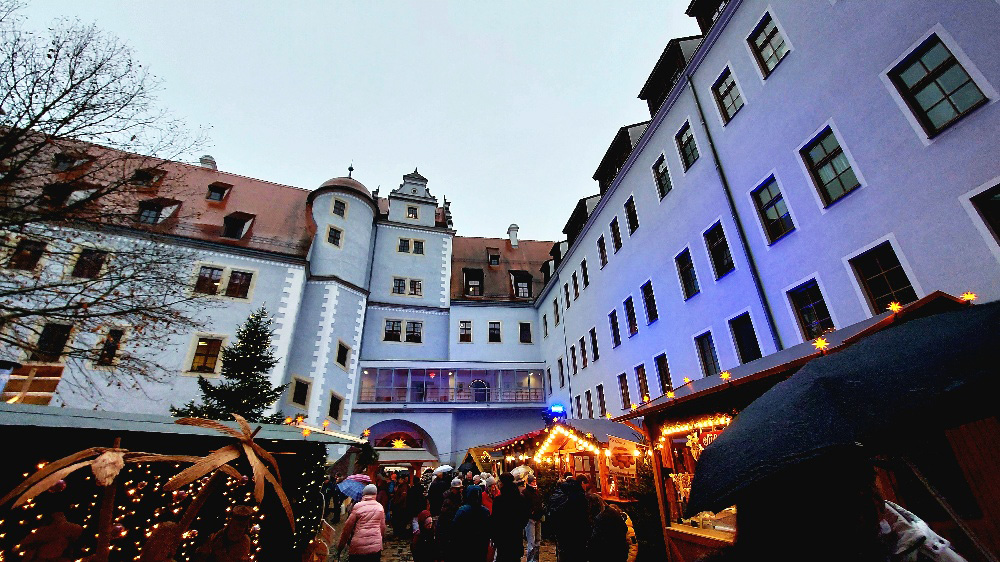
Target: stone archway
[(385, 432)]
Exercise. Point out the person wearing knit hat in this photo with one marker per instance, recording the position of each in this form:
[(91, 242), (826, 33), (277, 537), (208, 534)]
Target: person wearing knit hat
[(456, 483), (365, 528)]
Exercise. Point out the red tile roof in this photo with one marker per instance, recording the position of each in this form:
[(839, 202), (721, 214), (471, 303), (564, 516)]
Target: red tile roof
[(471, 252)]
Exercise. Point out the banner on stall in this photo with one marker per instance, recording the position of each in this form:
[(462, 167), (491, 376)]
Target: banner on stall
[(623, 456)]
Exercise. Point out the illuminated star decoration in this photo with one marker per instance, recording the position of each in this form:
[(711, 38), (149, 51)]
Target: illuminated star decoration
[(608, 415), (725, 375), (366, 433), (821, 344), (398, 444), (670, 394), (687, 380), (969, 296), (895, 307)]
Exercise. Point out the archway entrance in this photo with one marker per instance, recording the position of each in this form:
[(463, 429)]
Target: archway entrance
[(480, 390)]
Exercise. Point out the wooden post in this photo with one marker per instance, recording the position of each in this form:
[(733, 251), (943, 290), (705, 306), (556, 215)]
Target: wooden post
[(661, 494), (106, 517), (199, 500)]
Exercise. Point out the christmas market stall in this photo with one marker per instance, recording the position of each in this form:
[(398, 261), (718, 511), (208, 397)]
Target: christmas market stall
[(685, 421), (82, 484)]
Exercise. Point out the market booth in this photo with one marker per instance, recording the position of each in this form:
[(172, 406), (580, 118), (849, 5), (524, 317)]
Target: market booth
[(962, 461), (605, 451)]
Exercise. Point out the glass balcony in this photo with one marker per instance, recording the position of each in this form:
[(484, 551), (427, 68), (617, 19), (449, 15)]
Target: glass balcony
[(451, 386)]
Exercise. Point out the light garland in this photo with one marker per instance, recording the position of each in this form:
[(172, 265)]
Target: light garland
[(703, 423), (559, 430)]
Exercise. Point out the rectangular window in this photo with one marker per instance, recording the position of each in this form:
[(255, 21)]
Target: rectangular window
[(640, 377), (398, 286), (616, 336), (579, 409), (593, 344), (393, 330), (146, 177), (584, 275), (206, 355), (411, 212), (334, 411), (689, 278), (465, 331), (89, 263), (649, 302), (109, 347), (149, 213), (829, 167), (239, 284), (555, 310), (300, 392), (339, 207), (521, 281), (768, 45), (987, 204), (937, 88), (26, 255), (51, 343), (631, 217), (663, 373), (662, 177), (602, 251), (524, 331), (583, 353), (616, 235), (718, 250), (236, 225), (590, 404), (343, 354), (418, 247), (493, 257), (208, 280), (404, 245), (217, 191), (414, 332), (631, 322), (601, 406), (572, 358), (416, 287), (545, 326), (548, 373), (566, 291), (883, 278), (495, 332), (772, 210), (562, 374), (576, 286), (473, 282), (707, 355), (745, 338), (810, 309), (686, 146), (727, 95), (623, 388), (334, 236)]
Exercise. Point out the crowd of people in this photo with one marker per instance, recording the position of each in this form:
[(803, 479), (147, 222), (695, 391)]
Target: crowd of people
[(450, 517)]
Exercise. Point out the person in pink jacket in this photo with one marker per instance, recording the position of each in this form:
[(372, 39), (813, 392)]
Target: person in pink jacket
[(364, 529)]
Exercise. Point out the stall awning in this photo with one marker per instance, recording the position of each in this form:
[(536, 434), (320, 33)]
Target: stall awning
[(787, 361), (49, 416), (389, 455)]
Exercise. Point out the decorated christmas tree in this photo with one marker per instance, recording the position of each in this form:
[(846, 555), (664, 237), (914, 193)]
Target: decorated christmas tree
[(245, 388)]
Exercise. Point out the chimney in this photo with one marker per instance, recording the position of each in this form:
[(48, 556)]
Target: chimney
[(512, 234), (208, 162)]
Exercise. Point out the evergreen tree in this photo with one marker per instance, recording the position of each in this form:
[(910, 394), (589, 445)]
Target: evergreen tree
[(245, 388)]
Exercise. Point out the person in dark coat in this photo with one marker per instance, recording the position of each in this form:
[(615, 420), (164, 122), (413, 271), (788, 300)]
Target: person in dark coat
[(608, 540), (568, 517), (416, 500), (400, 514), (510, 516), (469, 544), (435, 493), (451, 501), (536, 509)]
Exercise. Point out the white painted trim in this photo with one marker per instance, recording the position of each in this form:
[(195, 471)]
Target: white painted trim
[(732, 337), (977, 220), (823, 207), (749, 46), (761, 229), (697, 352), (677, 145), (708, 253), (856, 283), (715, 100), (800, 332), (652, 170)]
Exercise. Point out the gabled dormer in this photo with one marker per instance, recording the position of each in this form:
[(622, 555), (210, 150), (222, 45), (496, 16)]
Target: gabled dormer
[(412, 202)]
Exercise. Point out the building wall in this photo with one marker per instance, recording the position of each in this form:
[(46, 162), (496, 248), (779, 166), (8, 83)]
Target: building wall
[(480, 348), (435, 334), (351, 261), (430, 268)]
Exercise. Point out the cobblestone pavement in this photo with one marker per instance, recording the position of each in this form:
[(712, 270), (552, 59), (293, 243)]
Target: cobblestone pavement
[(399, 550)]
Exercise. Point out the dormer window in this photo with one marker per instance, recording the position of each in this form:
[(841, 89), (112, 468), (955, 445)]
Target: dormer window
[(150, 212), (66, 161), (236, 225), (521, 283), (411, 212), (65, 194), (218, 191), (147, 177), (493, 256), (473, 282)]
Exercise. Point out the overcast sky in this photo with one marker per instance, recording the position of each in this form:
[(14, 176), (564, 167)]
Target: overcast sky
[(506, 107)]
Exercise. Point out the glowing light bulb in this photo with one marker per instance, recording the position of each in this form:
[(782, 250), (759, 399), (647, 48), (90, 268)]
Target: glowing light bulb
[(895, 307)]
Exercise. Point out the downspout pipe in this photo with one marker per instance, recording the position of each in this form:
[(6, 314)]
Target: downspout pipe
[(754, 273)]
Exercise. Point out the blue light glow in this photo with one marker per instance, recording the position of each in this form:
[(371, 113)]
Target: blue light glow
[(557, 408)]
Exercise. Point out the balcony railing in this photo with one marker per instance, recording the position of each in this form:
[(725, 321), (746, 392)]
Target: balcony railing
[(451, 395)]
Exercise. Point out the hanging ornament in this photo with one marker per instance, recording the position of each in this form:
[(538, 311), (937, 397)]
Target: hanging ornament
[(117, 530), (59, 486), (107, 466), (244, 479), (179, 495)]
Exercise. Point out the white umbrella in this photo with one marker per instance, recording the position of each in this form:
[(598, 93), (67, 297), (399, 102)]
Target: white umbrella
[(521, 472), (444, 468)]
